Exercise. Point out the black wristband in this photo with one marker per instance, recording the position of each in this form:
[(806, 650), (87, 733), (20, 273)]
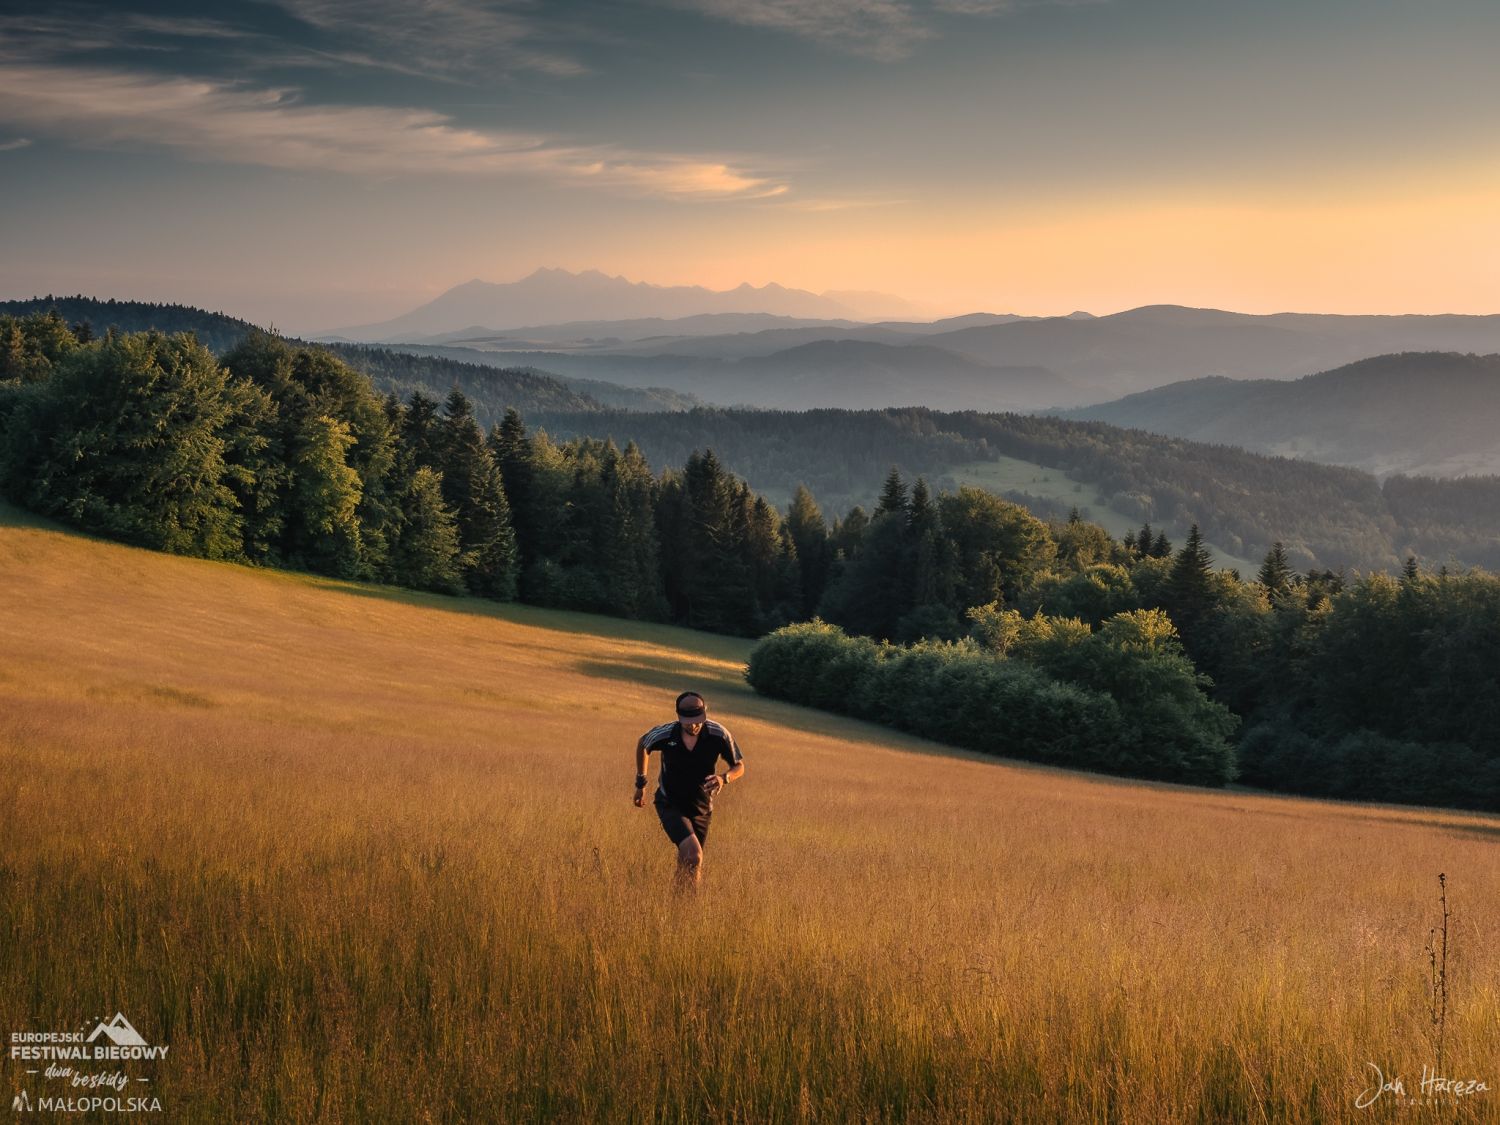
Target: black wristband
[(640, 781)]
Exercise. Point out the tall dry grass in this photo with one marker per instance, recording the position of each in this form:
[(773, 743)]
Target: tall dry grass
[(359, 855)]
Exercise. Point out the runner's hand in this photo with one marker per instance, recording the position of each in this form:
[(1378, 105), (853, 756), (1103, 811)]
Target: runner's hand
[(712, 785), (640, 798)]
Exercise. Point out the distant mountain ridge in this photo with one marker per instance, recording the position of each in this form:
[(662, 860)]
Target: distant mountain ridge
[(1430, 413), (1154, 345), (552, 296), (1101, 358)]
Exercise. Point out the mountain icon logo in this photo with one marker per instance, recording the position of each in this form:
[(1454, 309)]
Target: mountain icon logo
[(22, 1102), (119, 1031)]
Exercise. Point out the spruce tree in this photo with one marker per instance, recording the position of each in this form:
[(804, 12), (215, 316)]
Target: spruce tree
[(1275, 572), (420, 433), (630, 549), (931, 582), (809, 534), (848, 535), (893, 499), (1189, 587), (511, 449), (472, 490), (1144, 539)]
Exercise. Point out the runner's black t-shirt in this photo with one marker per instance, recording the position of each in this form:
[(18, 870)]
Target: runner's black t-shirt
[(683, 771)]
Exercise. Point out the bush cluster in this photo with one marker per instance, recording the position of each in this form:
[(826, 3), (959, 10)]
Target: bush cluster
[(1120, 700)]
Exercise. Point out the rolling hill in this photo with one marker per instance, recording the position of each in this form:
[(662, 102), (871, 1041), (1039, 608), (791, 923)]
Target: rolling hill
[(1096, 358), (1327, 516), (1152, 346), (319, 836), (1434, 413), (845, 372)]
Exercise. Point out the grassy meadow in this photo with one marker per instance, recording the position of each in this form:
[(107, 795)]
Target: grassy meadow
[(365, 855)]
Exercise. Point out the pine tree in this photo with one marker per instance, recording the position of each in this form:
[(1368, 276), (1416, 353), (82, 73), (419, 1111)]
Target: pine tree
[(709, 579), (893, 499), (1189, 587), (472, 490), (515, 458), (1275, 572), (848, 535), (633, 584), (1144, 539), (814, 552), (931, 577), (420, 434), (763, 546), (1162, 548)]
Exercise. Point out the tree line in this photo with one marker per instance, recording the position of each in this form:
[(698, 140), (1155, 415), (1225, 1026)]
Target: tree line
[(279, 454), (1372, 687), (1323, 515)]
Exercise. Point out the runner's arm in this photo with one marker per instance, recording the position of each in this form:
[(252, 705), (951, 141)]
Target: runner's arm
[(734, 759)]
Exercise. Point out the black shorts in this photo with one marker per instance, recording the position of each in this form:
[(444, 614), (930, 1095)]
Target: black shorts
[(681, 823)]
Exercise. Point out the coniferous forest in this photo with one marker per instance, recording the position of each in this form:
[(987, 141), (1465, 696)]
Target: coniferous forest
[(954, 613)]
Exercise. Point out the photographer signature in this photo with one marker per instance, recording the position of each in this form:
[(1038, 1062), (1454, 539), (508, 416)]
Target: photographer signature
[(1431, 1085)]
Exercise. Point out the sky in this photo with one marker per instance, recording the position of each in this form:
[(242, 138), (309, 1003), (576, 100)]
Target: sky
[(310, 164)]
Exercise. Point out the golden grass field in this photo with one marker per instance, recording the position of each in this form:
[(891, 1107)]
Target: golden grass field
[(363, 855)]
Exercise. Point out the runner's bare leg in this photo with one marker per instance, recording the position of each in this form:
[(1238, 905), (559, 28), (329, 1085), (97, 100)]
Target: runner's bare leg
[(689, 864)]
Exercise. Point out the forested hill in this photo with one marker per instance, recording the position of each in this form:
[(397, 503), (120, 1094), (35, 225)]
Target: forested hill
[(1326, 516), (490, 389), (216, 331), (1413, 412)]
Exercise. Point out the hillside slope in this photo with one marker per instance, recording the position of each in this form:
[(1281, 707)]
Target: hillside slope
[(323, 838), (1159, 344), (1434, 413)]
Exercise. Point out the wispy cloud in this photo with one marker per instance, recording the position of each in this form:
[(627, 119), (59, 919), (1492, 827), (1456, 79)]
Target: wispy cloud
[(183, 27), (11, 146), (885, 30), (73, 29), (877, 29), (443, 37), (275, 127)]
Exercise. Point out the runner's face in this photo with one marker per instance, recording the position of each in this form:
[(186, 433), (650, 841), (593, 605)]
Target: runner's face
[(694, 724)]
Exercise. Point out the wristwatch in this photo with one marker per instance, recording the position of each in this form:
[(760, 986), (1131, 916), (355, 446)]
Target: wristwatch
[(640, 781)]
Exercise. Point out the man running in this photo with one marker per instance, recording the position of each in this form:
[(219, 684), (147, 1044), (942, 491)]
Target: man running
[(687, 779)]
